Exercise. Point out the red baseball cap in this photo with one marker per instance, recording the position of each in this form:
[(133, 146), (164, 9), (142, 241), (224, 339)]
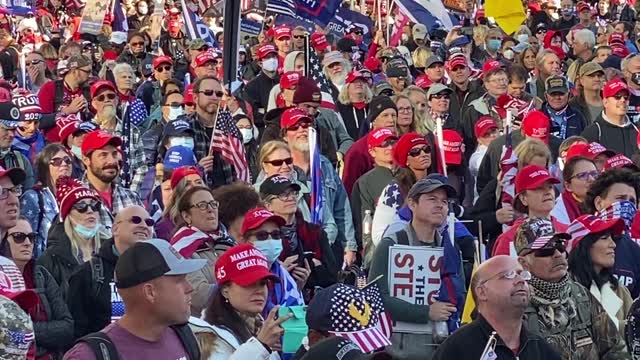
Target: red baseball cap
[(97, 140), (484, 125), (591, 224), (265, 50), (188, 94), (377, 137), (204, 57), (590, 151), (353, 76), (619, 161), (491, 66), (405, 144), (452, 145), (17, 175), (423, 82), (613, 87), (99, 85), (292, 116), (182, 172), (536, 124), (67, 125), (616, 38), (281, 31), (532, 177), (372, 63), (458, 60), (583, 6), (595, 149), (258, 216), (242, 265), (319, 42), (289, 79), (162, 60)]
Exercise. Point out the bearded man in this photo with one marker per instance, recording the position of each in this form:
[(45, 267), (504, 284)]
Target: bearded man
[(335, 67)]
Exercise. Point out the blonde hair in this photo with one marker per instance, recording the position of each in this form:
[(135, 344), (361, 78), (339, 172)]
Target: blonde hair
[(75, 239), (269, 147), (529, 149), (343, 97), (420, 56), (480, 33)]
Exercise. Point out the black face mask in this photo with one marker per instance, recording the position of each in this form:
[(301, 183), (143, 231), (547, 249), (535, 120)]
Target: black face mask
[(635, 78)]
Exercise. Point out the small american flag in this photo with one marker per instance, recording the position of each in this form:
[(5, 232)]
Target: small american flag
[(372, 293), (227, 141), (283, 7), (315, 73), (137, 112), (188, 239), (540, 242), (509, 169)]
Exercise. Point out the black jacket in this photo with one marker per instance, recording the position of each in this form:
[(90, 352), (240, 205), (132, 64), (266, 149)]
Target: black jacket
[(353, 119), (58, 258), (257, 94), (621, 139), (459, 103), (470, 340), (484, 210), (91, 309), (54, 335)]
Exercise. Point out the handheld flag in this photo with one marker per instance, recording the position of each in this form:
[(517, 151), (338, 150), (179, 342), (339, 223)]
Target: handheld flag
[(427, 12), (119, 19), (509, 14), (227, 141), (196, 29), (316, 178), (452, 286)]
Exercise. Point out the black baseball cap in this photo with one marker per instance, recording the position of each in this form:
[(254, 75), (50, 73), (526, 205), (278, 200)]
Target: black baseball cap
[(151, 259), (177, 128), (339, 348), (276, 185), (430, 184)]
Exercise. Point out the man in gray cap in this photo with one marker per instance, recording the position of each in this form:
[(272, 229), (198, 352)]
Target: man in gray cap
[(151, 280), (439, 101), (434, 69), (428, 201)]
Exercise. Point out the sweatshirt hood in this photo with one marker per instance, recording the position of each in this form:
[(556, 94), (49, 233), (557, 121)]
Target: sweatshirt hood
[(290, 60)]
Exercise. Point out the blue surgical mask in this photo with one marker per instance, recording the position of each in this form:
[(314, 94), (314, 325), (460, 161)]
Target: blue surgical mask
[(86, 232), (77, 151), (182, 141), (493, 44), (271, 248)]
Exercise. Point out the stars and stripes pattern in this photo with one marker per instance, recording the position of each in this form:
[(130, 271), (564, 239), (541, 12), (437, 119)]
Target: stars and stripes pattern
[(316, 178), (117, 305), (509, 169), (372, 293), (452, 285), (315, 73), (188, 239), (283, 7), (119, 19), (227, 141), (137, 112), (625, 210)]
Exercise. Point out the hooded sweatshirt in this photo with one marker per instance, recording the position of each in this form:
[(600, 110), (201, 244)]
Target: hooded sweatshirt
[(289, 65)]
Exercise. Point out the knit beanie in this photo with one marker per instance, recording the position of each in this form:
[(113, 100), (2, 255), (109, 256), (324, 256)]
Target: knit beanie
[(307, 91), (29, 106), (69, 191), (405, 144), (379, 104)]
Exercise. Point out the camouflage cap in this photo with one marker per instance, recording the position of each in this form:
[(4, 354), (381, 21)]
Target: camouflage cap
[(536, 233), (16, 330), (196, 44)]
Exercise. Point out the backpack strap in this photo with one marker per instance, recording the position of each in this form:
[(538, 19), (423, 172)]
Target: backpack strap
[(40, 209), (599, 131), (97, 274), (188, 340), (101, 344), (402, 237), (59, 89)]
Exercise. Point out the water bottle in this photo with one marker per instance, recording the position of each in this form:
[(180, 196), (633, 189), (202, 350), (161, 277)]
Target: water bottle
[(367, 223), (440, 331), (367, 244)]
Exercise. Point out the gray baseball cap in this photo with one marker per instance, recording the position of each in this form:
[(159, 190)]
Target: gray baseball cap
[(151, 259), (429, 185), (437, 89)]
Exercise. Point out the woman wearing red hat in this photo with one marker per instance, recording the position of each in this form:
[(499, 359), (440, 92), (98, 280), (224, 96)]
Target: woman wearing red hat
[(77, 235), (591, 260), (578, 174), (353, 103), (199, 235), (232, 327)]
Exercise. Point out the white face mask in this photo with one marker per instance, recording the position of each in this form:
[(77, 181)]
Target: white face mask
[(247, 135), (523, 38), (270, 64), (174, 113), (181, 141), (508, 54)]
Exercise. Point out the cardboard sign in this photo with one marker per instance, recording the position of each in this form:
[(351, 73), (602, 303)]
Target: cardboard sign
[(414, 276), (93, 16)]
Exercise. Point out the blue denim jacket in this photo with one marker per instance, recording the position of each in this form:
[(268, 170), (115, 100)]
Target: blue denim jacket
[(31, 209)]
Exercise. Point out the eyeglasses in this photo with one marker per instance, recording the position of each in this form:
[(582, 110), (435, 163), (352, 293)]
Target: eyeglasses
[(57, 162), (219, 93), (499, 81), (34, 62), (510, 275), (585, 175), (264, 235), (84, 71), (175, 105), (332, 65), (541, 31), (140, 43), (416, 151), (204, 205), (441, 96), (279, 162), (20, 237), (298, 36), (4, 192), (138, 220), (618, 97), (301, 124), (288, 195), (405, 109), (83, 206), (388, 142), (164, 68), (549, 250), (108, 96)]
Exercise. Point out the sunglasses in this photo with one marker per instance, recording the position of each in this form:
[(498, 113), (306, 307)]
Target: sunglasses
[(298, 36), (138, 220), (102, 97), (541, 32), (441, 96), (219, 93), (175, 105), (264, 235), (279, 162), (619, 97), (416, 151), (164, 68), (204, 205), (20, 237), (549, 251), (301, 124), (57, 162), (83, 207), (34, 62), (4, 192), (585, 175), (141, 43), (388, 142)]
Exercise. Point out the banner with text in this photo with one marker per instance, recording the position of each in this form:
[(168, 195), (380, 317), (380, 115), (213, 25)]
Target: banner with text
[(414, 276)]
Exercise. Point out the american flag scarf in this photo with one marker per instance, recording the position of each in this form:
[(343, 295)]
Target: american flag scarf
[(188, 239), (626, 210)]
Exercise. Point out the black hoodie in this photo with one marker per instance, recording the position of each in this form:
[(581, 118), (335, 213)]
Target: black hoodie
[(621, 139)]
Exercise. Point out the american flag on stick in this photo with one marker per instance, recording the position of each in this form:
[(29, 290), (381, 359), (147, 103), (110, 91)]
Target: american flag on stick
[(227, 141)]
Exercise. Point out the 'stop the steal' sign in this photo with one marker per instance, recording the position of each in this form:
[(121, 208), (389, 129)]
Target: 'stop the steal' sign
[(414, 276)]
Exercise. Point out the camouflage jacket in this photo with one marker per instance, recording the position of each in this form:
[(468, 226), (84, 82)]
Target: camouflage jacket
[(590, 335)]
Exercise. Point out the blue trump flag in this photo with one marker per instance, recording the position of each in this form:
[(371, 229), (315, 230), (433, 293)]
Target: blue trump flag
[(119, 19), (452, 286), (292, 22), (345, 17), (196, 29), (316, 178), (319, 11)]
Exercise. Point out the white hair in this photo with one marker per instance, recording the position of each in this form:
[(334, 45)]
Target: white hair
[(122, 68), (542, 55), (585, 37)]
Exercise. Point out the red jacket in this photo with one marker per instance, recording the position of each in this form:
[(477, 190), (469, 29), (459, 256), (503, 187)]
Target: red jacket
[(503, 242), (357, 162)]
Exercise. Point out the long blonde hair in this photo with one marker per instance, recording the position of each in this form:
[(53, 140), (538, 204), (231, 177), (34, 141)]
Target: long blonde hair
[(269, 147), (76, 240)]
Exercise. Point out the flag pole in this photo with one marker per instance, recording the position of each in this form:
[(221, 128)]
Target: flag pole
[(307, 55), (441, 143)]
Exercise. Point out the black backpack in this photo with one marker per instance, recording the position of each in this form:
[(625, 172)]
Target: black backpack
[(59, 95), (104, 349)]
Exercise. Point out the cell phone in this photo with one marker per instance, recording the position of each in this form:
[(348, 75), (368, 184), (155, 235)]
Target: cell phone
[(467, 30), (308, 255)]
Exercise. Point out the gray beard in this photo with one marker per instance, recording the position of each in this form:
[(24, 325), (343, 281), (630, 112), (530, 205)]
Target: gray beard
[(301, 146)]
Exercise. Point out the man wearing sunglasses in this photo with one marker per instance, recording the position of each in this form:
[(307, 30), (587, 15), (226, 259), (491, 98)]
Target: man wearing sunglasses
[(150, 91), (501, 292), (69, 95), (579, 328), (298, 35), (96, 303), (464, 90), (613, 128)]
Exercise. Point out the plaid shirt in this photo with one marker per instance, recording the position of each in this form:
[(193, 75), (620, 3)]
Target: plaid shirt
[(223, 173), (137, 159), (121, 198)]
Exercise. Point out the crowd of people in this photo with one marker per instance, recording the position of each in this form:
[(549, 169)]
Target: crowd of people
[(147, 210)]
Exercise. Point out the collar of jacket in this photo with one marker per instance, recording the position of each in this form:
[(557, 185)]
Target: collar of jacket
[(107, 251), (487, 329)]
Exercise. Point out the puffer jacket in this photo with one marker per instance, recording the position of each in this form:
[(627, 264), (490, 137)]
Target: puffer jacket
[(54, 335), (40, 208), (136, 62)]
